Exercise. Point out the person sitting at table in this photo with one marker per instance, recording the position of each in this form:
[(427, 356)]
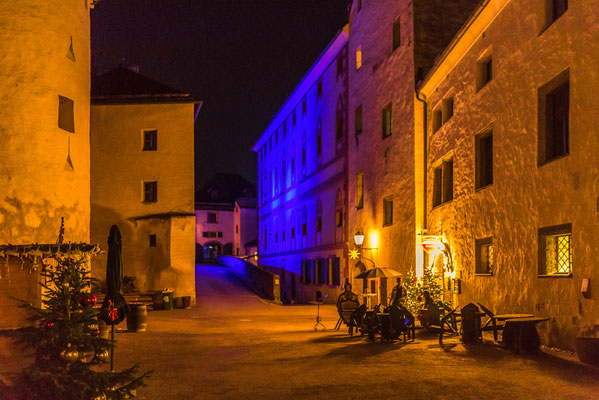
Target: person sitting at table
[(397, 294), (346, 295), (432, 314)]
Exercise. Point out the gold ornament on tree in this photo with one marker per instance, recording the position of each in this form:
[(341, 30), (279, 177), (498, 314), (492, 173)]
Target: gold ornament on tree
[(70, 354), (102, 356)]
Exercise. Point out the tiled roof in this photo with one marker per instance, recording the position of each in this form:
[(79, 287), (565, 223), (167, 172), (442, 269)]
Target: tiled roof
[(122, 85)]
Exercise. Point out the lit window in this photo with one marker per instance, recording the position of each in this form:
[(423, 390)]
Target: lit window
[(150, 140), (150, 194), (484, 256), (555, 253), (66, 114), (359, 190), (359, 58)]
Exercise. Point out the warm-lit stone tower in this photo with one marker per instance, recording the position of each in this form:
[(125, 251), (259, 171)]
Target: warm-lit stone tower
[(44, 120), (44, 138)]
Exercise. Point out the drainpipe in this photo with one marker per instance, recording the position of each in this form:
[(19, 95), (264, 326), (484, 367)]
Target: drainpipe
[(425, 154)]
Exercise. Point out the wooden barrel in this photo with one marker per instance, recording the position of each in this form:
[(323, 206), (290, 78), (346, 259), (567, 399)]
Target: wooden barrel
[(137, 318)]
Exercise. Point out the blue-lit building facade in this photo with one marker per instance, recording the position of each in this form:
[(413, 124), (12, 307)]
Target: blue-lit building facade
[(302, 175)]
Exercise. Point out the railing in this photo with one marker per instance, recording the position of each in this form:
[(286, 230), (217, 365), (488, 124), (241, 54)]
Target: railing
[(265, 284)]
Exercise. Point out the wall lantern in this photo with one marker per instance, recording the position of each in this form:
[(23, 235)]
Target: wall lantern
[(359, 238)]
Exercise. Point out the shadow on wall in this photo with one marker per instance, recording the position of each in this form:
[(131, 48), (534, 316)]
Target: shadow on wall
[(23, 223), (145, 262)]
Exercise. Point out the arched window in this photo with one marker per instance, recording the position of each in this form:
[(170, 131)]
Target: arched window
[(318, 222), (339, 217), (319, 142), (304, 154), (304, 227), (283, 174)]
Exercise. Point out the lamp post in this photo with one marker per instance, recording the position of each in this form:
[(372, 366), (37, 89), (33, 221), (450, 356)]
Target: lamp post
[(356, 254)]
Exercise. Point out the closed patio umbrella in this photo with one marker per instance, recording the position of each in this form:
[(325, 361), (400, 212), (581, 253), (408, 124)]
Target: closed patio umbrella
[(114, 308), (377, 272)]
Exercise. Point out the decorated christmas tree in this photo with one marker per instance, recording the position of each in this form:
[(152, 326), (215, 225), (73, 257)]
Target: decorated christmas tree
[(416, 286), (68, 347)]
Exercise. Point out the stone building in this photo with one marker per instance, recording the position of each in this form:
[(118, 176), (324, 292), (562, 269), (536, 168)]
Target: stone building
[(511, 177), (142, 178), (226, 217), (44, 135), (302, 181), (392, 43)]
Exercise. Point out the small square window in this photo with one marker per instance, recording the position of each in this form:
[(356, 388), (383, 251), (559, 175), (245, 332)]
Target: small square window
[(437, 120), (388, 211), (359, 58), (484, 159), (447, 109), (66, 114), (443, 183), (152, 240), (150, 192), (150, 140), (212, 218), (484, 72), (396, 33), (485, 256), (387, 121), (555, 250), (358, 120)]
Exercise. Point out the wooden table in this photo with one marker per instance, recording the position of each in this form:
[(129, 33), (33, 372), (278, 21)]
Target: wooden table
[(520, 334), (503, 317)]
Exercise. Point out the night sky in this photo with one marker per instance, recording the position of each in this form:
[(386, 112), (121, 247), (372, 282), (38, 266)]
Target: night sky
[(241, 57)]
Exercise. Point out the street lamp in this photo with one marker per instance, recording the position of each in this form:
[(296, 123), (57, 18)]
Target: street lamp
[(359, 238)]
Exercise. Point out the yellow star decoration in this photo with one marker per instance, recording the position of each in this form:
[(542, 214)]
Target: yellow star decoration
[(354, 254)]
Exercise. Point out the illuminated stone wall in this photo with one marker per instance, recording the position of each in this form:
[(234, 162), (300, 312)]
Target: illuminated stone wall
[(524, 196), (225, 225), (287, 186), (119, 166), (387, 77), (44, 172)]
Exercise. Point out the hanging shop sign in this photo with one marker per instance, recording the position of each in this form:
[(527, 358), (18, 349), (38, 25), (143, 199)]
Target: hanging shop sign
[(432, 244)]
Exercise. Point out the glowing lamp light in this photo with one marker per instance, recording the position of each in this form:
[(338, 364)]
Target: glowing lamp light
[(432, 244), (359, 238), (374, 239)]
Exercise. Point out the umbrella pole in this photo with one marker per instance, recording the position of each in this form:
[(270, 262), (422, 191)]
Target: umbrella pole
[(112, 349)]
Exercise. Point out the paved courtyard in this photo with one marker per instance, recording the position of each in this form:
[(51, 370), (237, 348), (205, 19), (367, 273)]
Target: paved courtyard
[(235, 346)]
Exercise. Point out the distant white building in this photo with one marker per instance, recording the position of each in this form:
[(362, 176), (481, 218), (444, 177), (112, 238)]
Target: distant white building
[(226, 218)]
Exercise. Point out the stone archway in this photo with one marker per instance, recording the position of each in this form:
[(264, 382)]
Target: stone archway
[(212, 250)]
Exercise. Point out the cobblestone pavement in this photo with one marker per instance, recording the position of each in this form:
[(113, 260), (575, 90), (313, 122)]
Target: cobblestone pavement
[(235, 346)]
